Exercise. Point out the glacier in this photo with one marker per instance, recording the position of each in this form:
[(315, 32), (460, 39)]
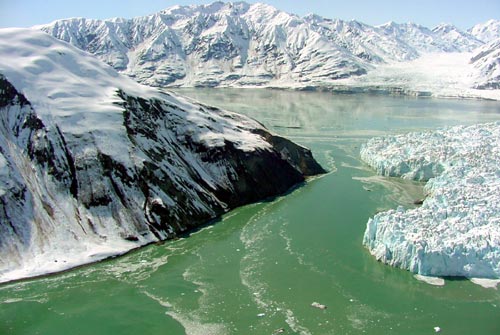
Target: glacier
[(256, 45), (456, 231), (93, 164)]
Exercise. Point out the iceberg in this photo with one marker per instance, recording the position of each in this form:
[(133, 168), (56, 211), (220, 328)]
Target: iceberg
[(456, 230)]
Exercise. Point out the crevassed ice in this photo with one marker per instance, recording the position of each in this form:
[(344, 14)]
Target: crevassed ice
[(456, 231)]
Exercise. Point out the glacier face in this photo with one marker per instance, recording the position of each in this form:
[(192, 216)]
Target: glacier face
[(93, 164), (238, 44), (456, 231)]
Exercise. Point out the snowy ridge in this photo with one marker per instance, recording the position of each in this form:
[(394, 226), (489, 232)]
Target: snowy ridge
[(242, 45), (487, 60), (460, 40), (93, 164), (487, 31), (210, 45), (456, 231), (444, 38)]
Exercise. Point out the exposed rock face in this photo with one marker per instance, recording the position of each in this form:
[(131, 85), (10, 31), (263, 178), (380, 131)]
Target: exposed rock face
[(87, 172)]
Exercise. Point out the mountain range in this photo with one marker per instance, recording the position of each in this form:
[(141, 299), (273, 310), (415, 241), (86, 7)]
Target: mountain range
[(239, 45)]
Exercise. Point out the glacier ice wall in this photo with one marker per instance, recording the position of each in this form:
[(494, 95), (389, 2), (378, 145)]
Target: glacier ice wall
[(456, 231)]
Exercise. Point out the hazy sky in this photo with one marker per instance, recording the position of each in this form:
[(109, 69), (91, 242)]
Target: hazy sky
[(463, 13)]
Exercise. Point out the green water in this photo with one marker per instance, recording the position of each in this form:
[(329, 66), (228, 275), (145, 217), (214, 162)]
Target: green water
[(260, 267)]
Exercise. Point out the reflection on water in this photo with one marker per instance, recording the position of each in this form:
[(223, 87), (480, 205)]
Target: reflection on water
[(318, 114), (259, 269)]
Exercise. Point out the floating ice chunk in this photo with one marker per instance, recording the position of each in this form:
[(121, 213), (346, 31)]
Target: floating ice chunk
[(437, 329), (318, 305), (436, 281), (486, 283), (261, 315)]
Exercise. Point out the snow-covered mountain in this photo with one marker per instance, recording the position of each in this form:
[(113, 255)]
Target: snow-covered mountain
[(487, 31), (458, 40), (93, 164), (210, 45), (487, 60), (238, 44), (372, 44), (444, 38)]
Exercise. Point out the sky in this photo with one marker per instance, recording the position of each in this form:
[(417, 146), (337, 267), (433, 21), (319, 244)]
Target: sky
[(462, 13)]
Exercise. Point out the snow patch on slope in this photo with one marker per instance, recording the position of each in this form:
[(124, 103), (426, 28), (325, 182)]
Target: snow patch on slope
[(456, 232)]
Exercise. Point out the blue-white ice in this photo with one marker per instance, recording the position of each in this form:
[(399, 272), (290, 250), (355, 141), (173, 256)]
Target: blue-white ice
[(456, 232)]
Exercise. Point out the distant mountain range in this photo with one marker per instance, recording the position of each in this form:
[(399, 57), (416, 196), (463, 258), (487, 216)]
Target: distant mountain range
[(238, 44)]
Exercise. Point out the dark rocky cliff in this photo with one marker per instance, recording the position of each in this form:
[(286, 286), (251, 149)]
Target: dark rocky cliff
[(58, 185)]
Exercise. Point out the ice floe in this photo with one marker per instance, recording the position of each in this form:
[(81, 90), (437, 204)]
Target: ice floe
[(456, 231), (436, 281), (318, 305)]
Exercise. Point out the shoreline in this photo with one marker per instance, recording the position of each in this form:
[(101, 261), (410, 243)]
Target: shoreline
[(395, 91), (185, 234)]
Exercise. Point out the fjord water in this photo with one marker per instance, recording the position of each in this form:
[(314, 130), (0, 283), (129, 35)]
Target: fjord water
[(258, 269)]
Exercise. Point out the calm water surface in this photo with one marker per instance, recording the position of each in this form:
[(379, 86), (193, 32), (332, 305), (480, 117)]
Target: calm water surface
[(259, 268)]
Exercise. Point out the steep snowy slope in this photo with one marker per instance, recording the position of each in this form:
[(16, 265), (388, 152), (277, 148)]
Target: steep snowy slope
[(458, 40), (424, 40), (210, 45), (93, 164), (487, 31), (487, 60), (237, 44), (370, 43)]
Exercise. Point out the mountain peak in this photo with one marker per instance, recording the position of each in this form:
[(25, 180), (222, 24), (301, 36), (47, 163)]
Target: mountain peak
[(445, 27), (233, 8), (487, 31)]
